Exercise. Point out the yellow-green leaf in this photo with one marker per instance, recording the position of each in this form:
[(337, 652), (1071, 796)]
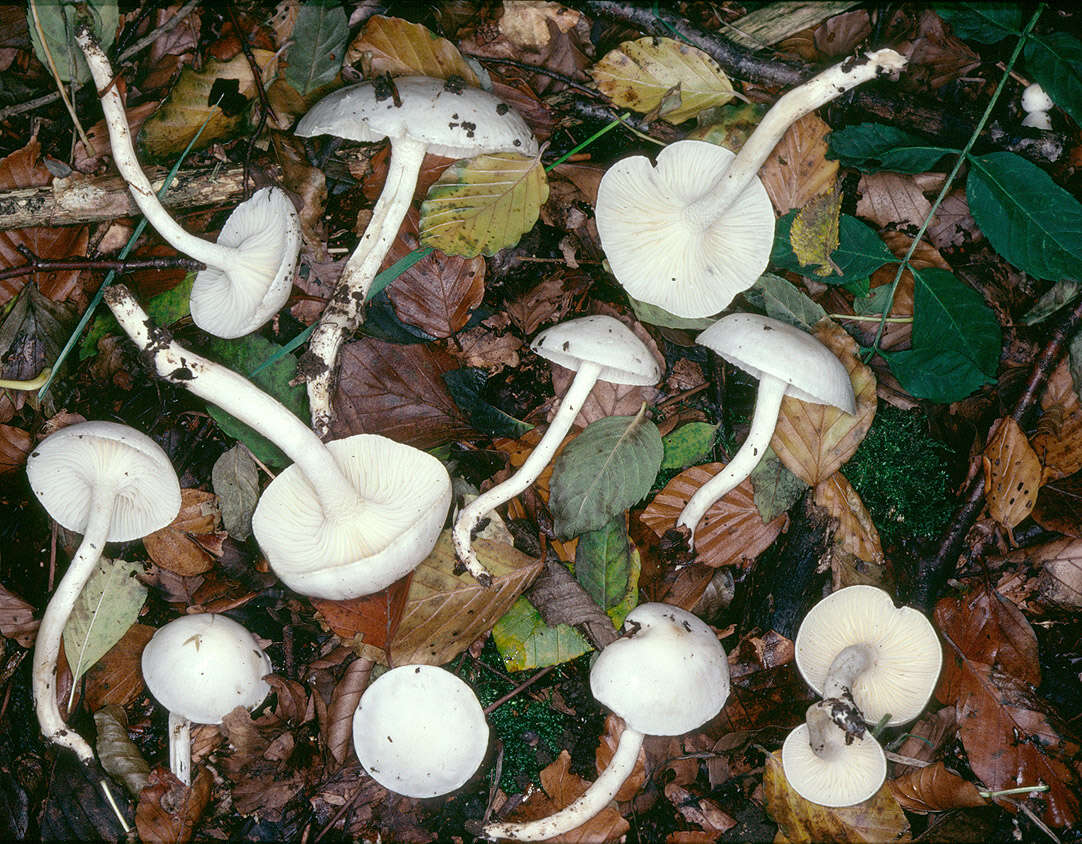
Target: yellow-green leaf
[(401, 48), (814, 233), (660, 73), (526, 642), (483, 204)]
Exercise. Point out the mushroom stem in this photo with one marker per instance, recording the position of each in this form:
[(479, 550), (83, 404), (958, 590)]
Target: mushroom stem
[(538, 459), (31, 384), (51, 631), (180, 747), (345, 310), (827, 739), (763, 421), (848, 665), (802, 100), (600, 793)]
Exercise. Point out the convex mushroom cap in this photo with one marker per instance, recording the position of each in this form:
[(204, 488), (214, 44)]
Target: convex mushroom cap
[(420, 731)]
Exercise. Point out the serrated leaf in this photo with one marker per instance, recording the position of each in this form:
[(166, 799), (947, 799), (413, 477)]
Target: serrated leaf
[(939, 376), (108, 605), (813, 234), (603, 566), (1055, 61), (860, 252), (987, 23), (776, 488), (235, 478), (465, 386), (687, 444), (400, 48), (871, 147), (319, 45), (483, 204), (57, 19), (526, 642), (780, 299), (118, 754), (949, 315), (603, 471), (675, 78)]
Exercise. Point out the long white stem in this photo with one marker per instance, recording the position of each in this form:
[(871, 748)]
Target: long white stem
[(802, 100), (601, 792), (538, 459), (51, 631), (180, 747), (763, 421), (345, 310)]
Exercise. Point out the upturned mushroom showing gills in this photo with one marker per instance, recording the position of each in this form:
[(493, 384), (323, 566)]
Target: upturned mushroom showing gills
[(200, 668), (249, 270), (420, 731), (666, 676), (597, 348), (112, 484), (692, 231), (348, 518), (787, 361), (418, 115)]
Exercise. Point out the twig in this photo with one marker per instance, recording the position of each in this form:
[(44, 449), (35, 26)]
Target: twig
[(45, 265), (265, 109), (544, 71), (496, 704)]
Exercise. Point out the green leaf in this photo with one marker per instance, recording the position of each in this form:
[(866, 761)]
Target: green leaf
[(871, 147), (940, 376), (780, 299), (1055, 61), (525, 641), (986, 23), (776, 488), (873, 303), (687, 445), (654, 315), (465, 386), (952, 315), (1061, 293), (243, 355), (165, 309), (603, 471), (108, 605), (57, 19), (603, 567), (319, 45), (859, 254), (1029, 219), (235, 479)]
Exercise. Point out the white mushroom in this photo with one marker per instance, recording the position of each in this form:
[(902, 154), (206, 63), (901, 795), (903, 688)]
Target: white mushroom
[(597, 348), (666, 676), (112, 484), (418, 114), (420, 731), (787, 361), (200, 668), (691, 232)]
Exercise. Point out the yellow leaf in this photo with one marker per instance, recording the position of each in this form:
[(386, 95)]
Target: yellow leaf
[(814, 234), (660, 73), (1012, 474), (483, 204), (401, 48)]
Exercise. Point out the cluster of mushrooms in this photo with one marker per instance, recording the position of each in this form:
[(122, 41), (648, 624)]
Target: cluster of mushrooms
[(351, 516)]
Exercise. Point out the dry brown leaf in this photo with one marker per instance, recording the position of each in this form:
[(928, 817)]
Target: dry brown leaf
[(766, 686), (856, 533), (1058, 440), (174, 547), (892, 199), (401, 48), (528, 23), (309, 183), (1012, 473), (489, 346), (840, 35), (798, 170), (14, 446), (370, 620), (610, 738), (934, 789), (925, 737), (1060, 581), (338, 731), (699, 810), (953, 224), (548, 301), (118, 676), (168, 810), (935, 56), (17, 618), (814, 440)]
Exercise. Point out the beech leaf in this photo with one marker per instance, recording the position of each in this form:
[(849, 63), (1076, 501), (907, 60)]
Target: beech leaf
[(814, 232), (117, 678), (1012, 473), (526, 642), (235, 478), (934, 789), (17, 618), (797, 170), (118, 754), (319, 44), (173, 546), (344, 700), (401, 48), (856, 533), (14, 446)]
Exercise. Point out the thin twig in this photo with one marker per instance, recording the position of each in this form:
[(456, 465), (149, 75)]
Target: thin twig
[(45, 265), (544, 71), (496, 704), (265, 108)]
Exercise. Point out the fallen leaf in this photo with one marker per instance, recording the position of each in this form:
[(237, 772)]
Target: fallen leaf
[(699, 810), (547, 302), (1058, 440), (401, 48), (892, 199), (173, 546), (1012, 473), (168, 810), (17, 618), (935, 56), (526, 642), (235, 478), (1060, 580), (813, 234), (934, 789), (926, 737), (118, 754), (117, 678), (606, 748), (766, 686), (798, 170), (338, 731), (371, 620), (14, 446), (856, 533)]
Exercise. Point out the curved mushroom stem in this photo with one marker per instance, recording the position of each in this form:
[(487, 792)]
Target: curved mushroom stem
[(31, 384), (345, 310), (802, 100), (538, 459), (763, 421), (180, 747), (601, 792), (826, 738), (51, 631), (849, 664)]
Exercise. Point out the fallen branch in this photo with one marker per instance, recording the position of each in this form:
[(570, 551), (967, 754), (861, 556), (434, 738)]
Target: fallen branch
[(43, 265)]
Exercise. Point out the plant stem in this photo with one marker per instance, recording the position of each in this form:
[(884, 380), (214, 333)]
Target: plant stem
[(180, 747)]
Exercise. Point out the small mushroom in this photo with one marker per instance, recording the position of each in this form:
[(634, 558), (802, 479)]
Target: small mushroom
[(666, 676), (418, 115), (1036, 104), (787, 361), (200, 668), (112, 484), (597, 348), (420, 731)]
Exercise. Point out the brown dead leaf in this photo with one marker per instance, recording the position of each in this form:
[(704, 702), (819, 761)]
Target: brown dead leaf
[(17, 618), (1058, 440), (606, 749), (699, 810), (371, 620), (174, 547), (989, 629), (1060, 581), (856, 533), (307, 182), (488, 346), (401, 48), (338, 731), (14, 446), (888, 199), (1012, 473), (953, 224), (935, 56), (840, 35), (118, 676), (925, 737), (934, 789), (168, 811), (766, 686), (814, 440), (548, 301), (798, 170)]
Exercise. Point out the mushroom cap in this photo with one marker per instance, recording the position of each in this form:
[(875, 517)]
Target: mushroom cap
[(759, 344), (403, 497), (70, 466), (1037, 120), (452, 119), (604, 340), (1034, 98), (658, 254), (231, 301), (420, 731), (667, 675), (851, 774), (201, 667), (906, 653)]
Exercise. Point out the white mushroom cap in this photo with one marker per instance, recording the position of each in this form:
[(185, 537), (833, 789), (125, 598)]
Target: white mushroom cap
[(1034, 98), (404, 494), (1038, 120), (759, 344), (420, 731), (602, 340), (662, 257), (68, 467), (453, 119), (201, 667), (846, 775), (905, 654), (235, 299), (667, 675)]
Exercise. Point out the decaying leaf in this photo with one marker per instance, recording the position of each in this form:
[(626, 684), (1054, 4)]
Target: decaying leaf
[(14, 446), (173, 547), (1060, 580), (401, 48), (892, 199), (168, 811), (856, 533), (610, 738), (1012, 473), (1058, 440), (235, 478), (17, 618), (798, 170), (117, 678), (934, 789), (814, 232), (118, 754), (1059, 505), (344, 701), (367, 621)]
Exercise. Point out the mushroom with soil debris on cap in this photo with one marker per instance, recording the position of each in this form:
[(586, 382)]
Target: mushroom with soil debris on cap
[(200, 668), (249, 270), (420, 731), (666, 676), (692, 231), (112, 484), (417, 114), (597, 348), (787, 361)]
